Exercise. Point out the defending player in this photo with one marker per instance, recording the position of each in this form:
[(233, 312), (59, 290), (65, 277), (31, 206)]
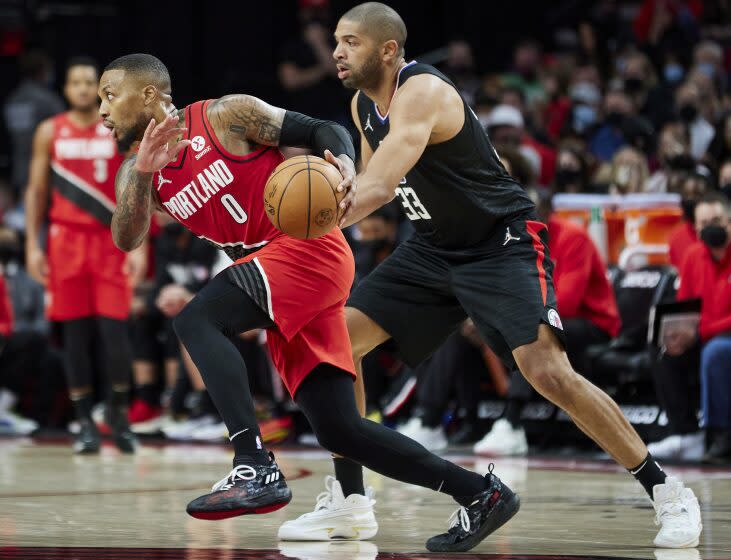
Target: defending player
[(478, 251), (88, 279), (206, 165)]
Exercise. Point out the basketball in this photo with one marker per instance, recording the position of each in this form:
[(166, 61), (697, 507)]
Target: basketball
[(301, 197)]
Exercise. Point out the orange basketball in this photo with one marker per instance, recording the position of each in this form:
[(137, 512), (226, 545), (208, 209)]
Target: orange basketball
[(301, 197)]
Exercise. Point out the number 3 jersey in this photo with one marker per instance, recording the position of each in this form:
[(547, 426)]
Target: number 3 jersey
[(458, 192), (84, 163), (219, 196)]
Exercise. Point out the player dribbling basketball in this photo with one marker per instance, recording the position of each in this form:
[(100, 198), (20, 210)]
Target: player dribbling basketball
[(206, 165)]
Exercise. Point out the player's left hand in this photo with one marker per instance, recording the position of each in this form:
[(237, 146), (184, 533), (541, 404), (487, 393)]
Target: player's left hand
[(348, 185), (135, 265)]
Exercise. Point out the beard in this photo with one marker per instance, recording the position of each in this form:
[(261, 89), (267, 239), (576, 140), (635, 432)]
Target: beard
[(367, 76), (132, 135)]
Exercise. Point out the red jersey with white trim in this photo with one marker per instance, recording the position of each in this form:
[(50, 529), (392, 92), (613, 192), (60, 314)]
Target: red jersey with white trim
[(219, 196), (84, 163)]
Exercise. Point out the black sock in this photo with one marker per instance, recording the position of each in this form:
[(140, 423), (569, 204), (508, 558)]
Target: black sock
[(512, 412), (148, 393), (82, 406), (349, 475), (249, 449), (432, 417), (648, 473)]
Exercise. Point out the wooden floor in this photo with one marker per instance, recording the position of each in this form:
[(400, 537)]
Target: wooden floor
[(56, 505)]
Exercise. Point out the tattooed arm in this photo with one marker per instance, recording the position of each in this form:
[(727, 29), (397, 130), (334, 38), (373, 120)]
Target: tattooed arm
[(242, 120), (133, 185), (131, 219)]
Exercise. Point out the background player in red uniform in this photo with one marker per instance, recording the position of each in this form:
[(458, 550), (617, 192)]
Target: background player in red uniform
[(88, 279), (210, 175)]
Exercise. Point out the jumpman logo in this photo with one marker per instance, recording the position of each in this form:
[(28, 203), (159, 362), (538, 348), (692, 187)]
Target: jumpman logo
[(161, 181), (508, 237), (368, 124)]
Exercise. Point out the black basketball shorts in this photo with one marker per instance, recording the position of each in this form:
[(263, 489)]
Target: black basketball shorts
[(420, 294)]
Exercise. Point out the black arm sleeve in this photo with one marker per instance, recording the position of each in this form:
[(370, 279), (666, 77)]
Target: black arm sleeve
[(306, 132)]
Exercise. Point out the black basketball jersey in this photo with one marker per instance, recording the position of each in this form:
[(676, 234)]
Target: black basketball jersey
[(458, 192)]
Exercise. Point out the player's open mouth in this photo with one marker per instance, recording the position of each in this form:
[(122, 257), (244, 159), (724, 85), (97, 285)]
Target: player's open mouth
[(343, 72)]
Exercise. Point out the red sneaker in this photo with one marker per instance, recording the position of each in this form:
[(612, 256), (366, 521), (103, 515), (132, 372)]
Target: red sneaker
[(145, 418)]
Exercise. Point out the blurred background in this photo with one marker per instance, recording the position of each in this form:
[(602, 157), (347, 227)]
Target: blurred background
[(615, 115)]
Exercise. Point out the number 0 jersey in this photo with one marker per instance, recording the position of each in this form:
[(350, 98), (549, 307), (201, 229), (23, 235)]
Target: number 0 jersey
[(219, 196), (458, 192), (84, 163)]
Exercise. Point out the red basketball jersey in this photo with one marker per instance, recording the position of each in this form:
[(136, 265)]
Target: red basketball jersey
[(219, 196), (84, 163)]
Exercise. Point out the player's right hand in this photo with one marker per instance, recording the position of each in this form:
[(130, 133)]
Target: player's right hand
[(37, 265), (155, 152)]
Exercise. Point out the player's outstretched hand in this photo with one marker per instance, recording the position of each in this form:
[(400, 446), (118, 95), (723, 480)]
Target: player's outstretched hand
[(154, 152), (348, 184)]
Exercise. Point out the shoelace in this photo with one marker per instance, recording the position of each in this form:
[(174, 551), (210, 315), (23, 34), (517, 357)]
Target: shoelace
[(242, 472), (324, 499), (672, 510), (461, 518)]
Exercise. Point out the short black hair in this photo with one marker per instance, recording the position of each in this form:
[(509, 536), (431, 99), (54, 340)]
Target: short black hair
[(716, 197), (143, 65), (380, 21), (80, 61)]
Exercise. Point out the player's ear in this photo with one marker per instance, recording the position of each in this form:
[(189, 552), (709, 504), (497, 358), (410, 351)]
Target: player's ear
[(390, 50), (149, 94)]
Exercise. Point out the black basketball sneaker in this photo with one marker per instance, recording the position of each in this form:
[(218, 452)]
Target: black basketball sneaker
[(246, 489), (117, 419), (489, 510), (88, 439)]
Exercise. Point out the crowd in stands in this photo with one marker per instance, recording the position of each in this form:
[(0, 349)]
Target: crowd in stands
[(633, 99)]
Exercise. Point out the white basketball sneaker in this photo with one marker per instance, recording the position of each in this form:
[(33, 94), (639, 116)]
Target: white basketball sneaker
[(334, 517), (431, 438), (503, 441), (677, 513)]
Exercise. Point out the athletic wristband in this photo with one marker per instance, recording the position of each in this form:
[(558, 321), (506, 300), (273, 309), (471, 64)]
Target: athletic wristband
[(305, 132)]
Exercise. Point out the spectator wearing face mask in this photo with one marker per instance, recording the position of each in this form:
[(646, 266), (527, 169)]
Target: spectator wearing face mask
[(705, 274), (525, 74), (609, 137), (708, 58), (673, 158), (687, 100), (684, 236), (572, 171), (506, 128), (640, 82), (585, 103)]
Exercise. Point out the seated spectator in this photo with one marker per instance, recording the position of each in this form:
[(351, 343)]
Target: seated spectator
[(572, 170), (30, 368), (588, 314), (628, 172), (701, 132), (183, 266), (10, 423), (704, 274), (506, 128), (454, 369), (673, 157), (608, 137), (683, 237), (525, 73)]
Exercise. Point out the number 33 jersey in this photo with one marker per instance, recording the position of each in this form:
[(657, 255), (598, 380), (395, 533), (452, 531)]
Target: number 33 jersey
[(219, 196), (84, 162), (458, 192)]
